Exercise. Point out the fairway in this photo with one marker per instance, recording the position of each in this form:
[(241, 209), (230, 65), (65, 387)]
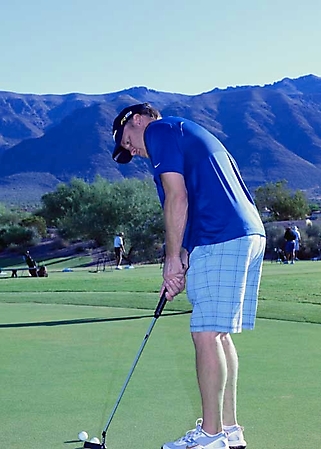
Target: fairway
[(63, 364)]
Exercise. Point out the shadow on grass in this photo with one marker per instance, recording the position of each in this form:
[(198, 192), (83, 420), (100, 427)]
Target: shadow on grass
[(73, 442), (84, 321)]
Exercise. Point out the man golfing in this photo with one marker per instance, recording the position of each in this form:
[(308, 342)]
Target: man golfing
[(215, 239)]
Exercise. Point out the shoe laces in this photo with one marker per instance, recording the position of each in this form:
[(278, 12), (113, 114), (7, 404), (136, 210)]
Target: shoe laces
[(190, 435)]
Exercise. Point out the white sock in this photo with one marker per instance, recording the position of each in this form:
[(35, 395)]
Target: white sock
[(227, 428), (209, 434)]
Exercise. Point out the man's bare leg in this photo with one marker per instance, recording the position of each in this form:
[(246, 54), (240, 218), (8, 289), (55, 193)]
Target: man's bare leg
[(211, 370), (229, 406)]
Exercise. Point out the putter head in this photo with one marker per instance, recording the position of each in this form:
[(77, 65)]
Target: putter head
[(90, 445)]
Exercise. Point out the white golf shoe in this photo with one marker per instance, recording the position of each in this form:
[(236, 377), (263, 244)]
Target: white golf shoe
[(236, 438), (198, 439)]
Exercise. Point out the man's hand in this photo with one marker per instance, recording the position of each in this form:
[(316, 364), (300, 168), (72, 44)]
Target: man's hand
[(174, 277)]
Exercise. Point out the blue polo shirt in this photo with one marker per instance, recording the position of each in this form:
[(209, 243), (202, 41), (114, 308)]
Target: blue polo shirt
[(220, 208)]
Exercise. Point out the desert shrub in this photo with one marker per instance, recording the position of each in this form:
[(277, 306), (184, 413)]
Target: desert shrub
[(18, 236)]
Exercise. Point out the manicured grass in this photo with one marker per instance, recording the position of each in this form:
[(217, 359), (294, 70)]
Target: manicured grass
[(291, 292), (68, 341), (288, 292), (60, 378)]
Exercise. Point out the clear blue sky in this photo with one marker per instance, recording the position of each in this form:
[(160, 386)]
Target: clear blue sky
[(190, 46)]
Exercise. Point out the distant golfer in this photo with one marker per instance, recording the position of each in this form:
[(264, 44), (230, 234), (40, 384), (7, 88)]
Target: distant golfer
[(214, 235), (119, 249), (31, 264), (289, 237), (297, 241)]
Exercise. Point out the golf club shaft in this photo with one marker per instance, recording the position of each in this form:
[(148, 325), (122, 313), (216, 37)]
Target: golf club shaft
[(157, 313)]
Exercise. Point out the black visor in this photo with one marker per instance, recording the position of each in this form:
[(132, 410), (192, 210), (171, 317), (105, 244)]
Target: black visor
[(121, 154)]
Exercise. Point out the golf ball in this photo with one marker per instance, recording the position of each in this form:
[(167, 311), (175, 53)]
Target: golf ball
[(95, 440), (82, 435)]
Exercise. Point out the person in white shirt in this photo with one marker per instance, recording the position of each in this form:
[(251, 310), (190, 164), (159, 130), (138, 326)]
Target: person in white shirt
[(297, 241), (119, 249)]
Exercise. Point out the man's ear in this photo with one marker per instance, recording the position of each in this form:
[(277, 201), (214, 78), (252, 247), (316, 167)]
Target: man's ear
[(137, 119)]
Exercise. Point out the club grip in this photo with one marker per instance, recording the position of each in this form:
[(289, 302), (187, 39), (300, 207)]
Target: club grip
[(160, 305)]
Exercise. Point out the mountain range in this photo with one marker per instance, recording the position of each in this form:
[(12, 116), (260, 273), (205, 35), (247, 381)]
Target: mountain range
[(273, 132)]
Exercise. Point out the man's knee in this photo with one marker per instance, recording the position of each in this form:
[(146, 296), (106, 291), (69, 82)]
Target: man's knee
[(200, 338)]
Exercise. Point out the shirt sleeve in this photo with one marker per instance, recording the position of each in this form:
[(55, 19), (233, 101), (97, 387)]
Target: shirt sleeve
[(162, 144)]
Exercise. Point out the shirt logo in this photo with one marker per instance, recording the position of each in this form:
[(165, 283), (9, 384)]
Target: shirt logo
[(157, 165)]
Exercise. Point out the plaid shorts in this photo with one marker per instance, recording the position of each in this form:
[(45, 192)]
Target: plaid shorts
[(223, 283)]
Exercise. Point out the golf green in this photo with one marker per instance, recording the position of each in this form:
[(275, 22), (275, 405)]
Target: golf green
[(62, 368)]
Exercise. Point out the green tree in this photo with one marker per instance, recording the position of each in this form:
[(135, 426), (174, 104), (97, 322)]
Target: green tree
[(36, 223), (16, 235), (311, 241), (99, 210), (281, 202), (66, 200), (9, 217), (19, 228), (274, 237)]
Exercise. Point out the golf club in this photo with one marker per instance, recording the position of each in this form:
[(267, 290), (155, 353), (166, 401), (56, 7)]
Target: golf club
[(157, 313)]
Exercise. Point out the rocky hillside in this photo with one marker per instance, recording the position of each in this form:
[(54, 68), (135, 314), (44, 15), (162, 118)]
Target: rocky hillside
[(274, 132)]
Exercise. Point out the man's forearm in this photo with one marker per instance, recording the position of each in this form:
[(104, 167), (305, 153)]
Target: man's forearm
[(175, 212), (175, 216)]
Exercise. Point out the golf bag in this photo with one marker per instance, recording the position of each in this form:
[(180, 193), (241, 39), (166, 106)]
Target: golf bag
[(42, 272)]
